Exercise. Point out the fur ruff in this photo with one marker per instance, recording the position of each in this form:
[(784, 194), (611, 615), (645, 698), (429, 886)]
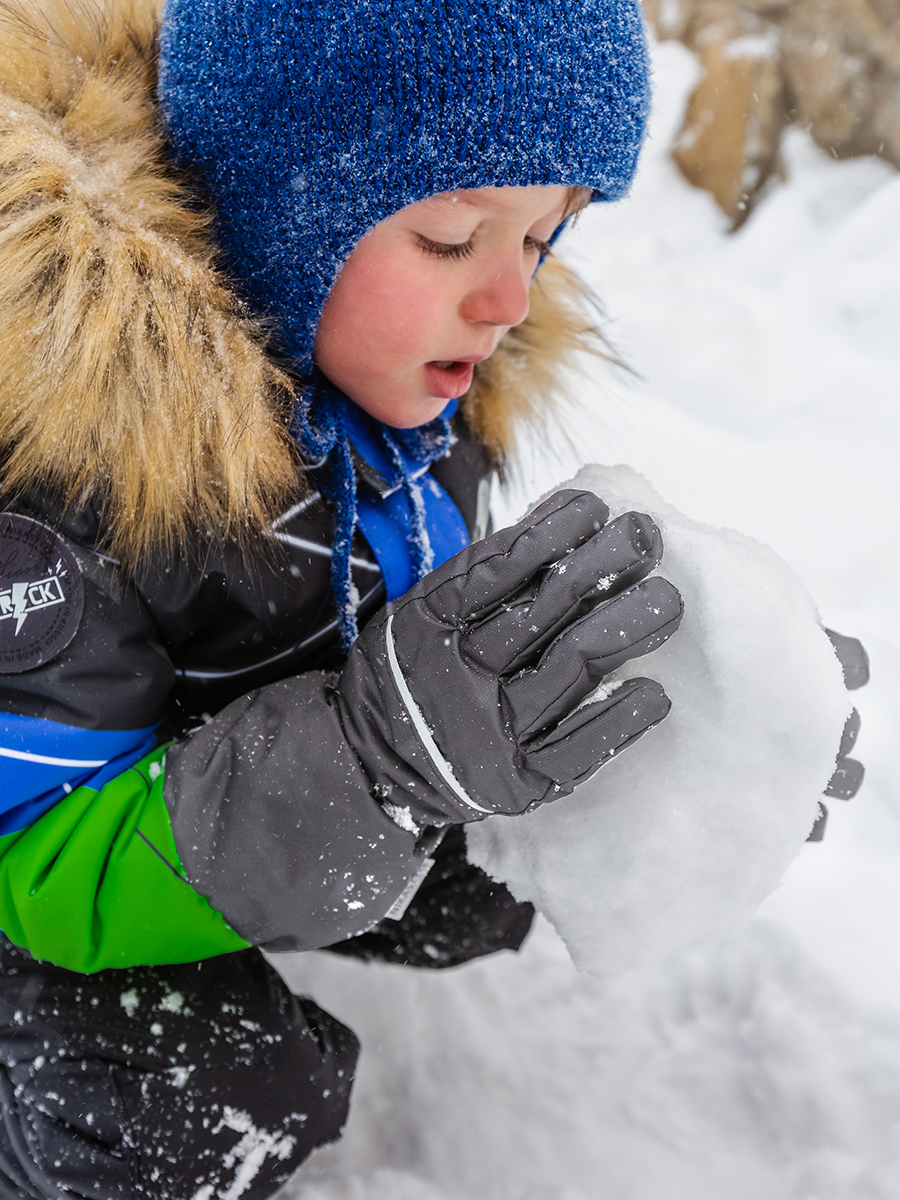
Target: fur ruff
[(129, 374)]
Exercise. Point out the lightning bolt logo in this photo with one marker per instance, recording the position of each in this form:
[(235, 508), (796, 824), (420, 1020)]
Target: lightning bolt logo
[(19, 602), (41, 611)]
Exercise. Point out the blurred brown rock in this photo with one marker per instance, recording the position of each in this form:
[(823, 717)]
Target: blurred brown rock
[(832, 65)]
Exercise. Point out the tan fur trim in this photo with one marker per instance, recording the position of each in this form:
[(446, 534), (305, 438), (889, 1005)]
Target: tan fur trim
[(123, 367), (126, 370)]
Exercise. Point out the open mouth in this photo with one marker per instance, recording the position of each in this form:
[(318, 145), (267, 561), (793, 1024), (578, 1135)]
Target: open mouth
[(448, 378)]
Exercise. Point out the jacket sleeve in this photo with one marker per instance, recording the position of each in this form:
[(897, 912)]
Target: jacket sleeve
[(103, 857), (279, 822), (89, 874), (96, 881)]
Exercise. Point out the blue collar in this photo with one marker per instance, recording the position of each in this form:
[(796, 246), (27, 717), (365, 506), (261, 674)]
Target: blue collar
[(406, 517)]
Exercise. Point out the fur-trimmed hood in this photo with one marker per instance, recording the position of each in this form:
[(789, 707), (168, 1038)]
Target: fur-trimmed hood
[(130, 376)]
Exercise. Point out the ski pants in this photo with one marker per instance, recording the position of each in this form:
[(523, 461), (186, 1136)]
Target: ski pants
[(187, 1082), (206, 1080)]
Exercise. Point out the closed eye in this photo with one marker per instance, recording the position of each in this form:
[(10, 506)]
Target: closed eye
[(534, 244), (455, 251), (445, 250)]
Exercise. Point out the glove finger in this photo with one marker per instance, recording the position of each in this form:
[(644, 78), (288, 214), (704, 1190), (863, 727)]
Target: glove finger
[(850, 734), (631, 624), (622, 553), (591, 736), (852, 656), (846, 780), (818, 830), (475, 582)]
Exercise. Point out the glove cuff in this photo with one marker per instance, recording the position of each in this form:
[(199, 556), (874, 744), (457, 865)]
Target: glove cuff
[(411, 778)]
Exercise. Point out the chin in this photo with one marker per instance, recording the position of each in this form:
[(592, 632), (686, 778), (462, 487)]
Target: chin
[(426, 413), (411, 414), (411, 422), (405, 412)]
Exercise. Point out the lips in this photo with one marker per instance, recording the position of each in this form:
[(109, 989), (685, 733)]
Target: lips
[(448, 378)]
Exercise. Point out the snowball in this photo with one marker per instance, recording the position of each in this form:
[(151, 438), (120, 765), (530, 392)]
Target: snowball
[(681, 838)]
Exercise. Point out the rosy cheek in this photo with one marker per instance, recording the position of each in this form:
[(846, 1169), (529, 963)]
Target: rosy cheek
[(384, 318), (400, 295), (411, 317)]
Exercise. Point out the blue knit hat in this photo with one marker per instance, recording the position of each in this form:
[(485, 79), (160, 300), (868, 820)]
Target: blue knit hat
[(309, 121)]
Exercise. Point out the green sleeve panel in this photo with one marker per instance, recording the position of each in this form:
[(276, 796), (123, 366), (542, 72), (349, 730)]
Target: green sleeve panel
[(97, 882)]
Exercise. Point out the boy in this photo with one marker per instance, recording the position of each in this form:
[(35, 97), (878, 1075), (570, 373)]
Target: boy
[(216, 735)]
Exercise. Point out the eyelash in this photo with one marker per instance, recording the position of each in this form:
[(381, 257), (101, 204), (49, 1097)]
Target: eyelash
[(455, 251), (446, 250)]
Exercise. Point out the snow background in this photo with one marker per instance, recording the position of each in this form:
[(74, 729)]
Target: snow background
[(764, 1066)]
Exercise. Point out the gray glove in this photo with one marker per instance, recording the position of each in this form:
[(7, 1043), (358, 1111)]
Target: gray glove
[(472, 681), (848, 772), (304, 809)]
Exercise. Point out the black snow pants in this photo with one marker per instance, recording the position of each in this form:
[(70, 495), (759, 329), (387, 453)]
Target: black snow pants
[(178, 1083), (208, 1080)]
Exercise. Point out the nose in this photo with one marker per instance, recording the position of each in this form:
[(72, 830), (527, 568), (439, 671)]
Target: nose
[(500, 295)]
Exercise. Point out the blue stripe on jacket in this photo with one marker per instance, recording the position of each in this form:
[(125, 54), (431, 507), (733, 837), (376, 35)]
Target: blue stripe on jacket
[(42, 761)]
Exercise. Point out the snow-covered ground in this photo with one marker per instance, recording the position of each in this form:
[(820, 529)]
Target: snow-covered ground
[(765, 1066)]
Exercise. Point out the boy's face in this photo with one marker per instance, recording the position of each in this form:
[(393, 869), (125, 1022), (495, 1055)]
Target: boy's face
[(429, 293)]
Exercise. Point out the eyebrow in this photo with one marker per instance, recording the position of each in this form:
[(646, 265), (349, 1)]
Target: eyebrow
[(440, 201), (486, 201)]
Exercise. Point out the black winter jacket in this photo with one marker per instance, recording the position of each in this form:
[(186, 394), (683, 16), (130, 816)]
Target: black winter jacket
[(259, 805)]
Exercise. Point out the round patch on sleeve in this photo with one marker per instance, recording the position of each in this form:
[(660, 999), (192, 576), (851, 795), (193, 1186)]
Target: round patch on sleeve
[(41, 594)]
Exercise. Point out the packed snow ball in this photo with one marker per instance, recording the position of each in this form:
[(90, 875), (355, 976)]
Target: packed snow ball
[(681, 837)]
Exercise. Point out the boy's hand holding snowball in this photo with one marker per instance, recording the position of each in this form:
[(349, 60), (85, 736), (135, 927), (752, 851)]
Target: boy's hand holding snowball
[(473, 682), (684, 839)]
